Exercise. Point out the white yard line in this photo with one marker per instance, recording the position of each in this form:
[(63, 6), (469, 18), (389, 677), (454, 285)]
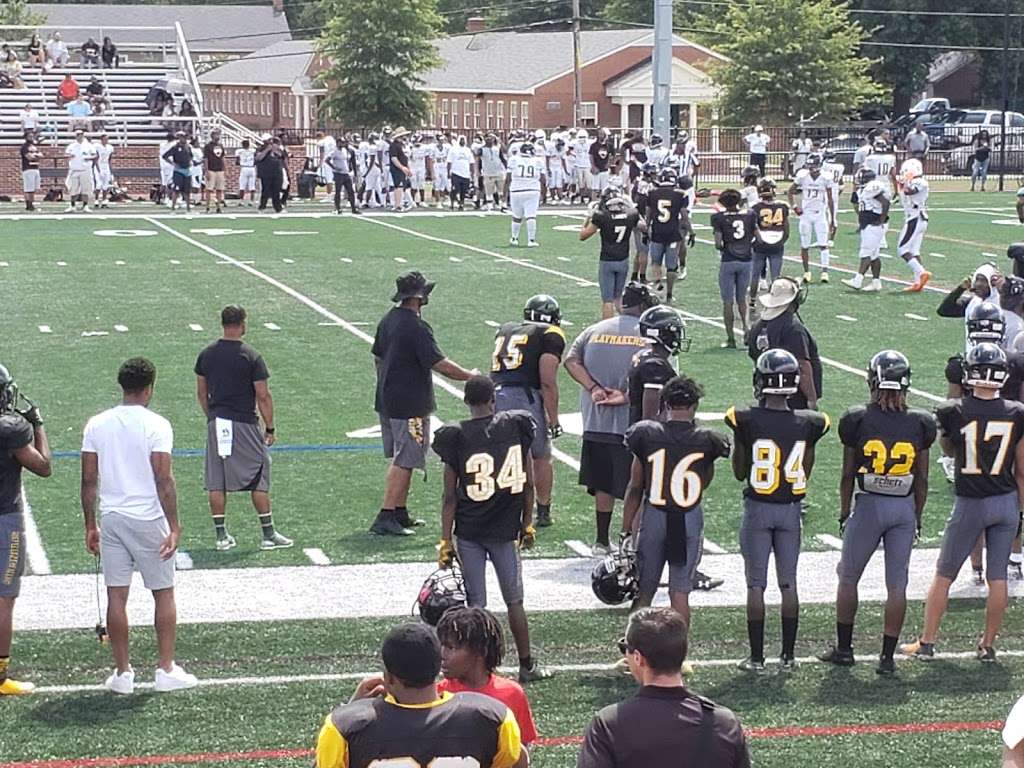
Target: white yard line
[(272, 326), (38, 562), (45, 329), (830, 541), (714, 549), (847, 318), (121, 328), (912, 316), (195, 326), (316, 556)]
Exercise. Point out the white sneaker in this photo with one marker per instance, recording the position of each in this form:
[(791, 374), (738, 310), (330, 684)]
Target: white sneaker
[(682, 273), (533, 244), (86, 209), (228, 542), (762, 285), (948, 464), (874, 285), (175, 680), (598, 549), (69, 209), (852, 283), (123, 683), (513, 241)]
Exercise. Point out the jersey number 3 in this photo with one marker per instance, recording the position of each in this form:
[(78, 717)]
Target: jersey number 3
[(511, 476)]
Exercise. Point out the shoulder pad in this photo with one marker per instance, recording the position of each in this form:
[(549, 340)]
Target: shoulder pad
[(734, 415), (354, 717), (486, 706), (555, 330), (819, 418), (446, 441), (15, 432)]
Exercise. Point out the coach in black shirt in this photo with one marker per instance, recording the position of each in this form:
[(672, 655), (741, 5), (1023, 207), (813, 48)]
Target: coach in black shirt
[(405, 353), (270, 159), (663, 725)]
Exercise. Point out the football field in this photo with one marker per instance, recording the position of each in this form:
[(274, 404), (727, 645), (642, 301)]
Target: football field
[(84, 293)]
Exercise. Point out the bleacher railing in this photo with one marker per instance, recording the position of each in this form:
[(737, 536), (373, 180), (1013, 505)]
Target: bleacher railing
[(157, 43), (57, 129), (187, 68)]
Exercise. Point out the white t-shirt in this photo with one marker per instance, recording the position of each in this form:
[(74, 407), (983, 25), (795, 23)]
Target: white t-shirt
[(749, 196), (657, 155), (526, 173), (29, 119), (327, 145), (914, 197), (460, 158), (802, 146), (80, 155), (861, 155), (164, 146), (1013, 729), (813, 192), (758, 142), (103, 153), (123, 439), (246, 157)]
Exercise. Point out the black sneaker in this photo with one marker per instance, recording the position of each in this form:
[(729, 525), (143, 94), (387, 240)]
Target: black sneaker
[(986, 654), (919, 650), (389, 526), (705, 583), (886, 666), (787, 664), (837, 656), (533, 674), (543, 518), (406, 521)]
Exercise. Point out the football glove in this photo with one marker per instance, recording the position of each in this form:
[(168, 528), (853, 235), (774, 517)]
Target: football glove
[(626, 545), (691, 238), (31, 413), (703, 192), (528, 537), (842, 526), (555, 430), (445, 554)]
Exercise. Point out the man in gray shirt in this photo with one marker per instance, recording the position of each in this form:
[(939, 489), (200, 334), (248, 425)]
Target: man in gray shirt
[(917, 142), (342, 162), (599, 360), (492, 168)]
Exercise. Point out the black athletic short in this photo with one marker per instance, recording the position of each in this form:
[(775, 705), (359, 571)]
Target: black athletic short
[(605, 467), (182, 182)]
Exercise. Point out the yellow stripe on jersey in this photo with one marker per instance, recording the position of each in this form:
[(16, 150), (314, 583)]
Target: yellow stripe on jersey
[(510, 745), (555, 329), (730, 416), (445, 697), (331, 747)]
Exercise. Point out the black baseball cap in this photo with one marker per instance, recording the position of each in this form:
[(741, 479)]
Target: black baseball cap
[(412, 653), (637, 294), (412, 285)]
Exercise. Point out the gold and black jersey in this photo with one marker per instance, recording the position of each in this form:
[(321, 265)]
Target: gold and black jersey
[(518, 347), (781, 445), (452, 732), (886, 444), (985, 434)]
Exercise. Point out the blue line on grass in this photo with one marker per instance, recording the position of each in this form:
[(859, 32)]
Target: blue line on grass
[(311, 448)]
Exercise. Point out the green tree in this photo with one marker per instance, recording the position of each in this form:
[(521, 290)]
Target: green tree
[(18, 13), (790, 59), (378, 51)]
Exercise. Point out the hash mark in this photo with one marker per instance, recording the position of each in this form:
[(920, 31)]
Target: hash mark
[(272, 326), (45, 329)]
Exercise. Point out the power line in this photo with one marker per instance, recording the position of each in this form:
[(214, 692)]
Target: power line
[(877, 11)]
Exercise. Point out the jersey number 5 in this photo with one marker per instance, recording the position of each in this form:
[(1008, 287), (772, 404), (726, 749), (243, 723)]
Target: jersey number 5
[(765, 474), (1001, 429), (664, 210), (511, 476), (684, 486)]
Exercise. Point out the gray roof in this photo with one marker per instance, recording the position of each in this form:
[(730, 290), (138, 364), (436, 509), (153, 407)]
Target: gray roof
[(280, 64), (518, 61), (199, 23)]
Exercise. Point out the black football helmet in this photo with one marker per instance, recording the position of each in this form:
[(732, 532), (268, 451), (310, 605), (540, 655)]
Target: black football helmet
[(750, 174), (865, 175), (1012, 287), (685, 182), (665, 326), (889, 369), (637, 294), (8, 391), (986, 323), (765, 187), (656, 141), (542, 309), (985, 366), (649, 171), (776, 372), (613, 200), (667, 177), (813, 163), (442, 590), (614, 579), (526, 148)]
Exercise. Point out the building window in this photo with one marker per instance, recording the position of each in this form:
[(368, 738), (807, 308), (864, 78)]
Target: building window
[(588, 113), (444, 113), (467, 114), (476, 114), (455, 113), (490, 115), (501, 115), (524, 114), (513, 114)]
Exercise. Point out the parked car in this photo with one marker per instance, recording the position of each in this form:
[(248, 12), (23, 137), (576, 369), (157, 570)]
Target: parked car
[(844, 145), (935, 104), (960, 129), (960, 160), (904, 124)]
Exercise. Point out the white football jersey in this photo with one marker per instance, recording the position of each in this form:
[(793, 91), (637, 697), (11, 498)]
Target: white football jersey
[(870, 196), (914, 197), (418, 157), (882, 164), (657, 155), (363, 153), (814, 192), (513, 148), (166, 145), (327, 145), (749, 196), (581, 153), (103, 153), (246, 157), (526, 172), (835, 172)]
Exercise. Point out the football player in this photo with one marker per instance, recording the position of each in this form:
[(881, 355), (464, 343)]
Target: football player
[(770, 235), (524, 369), (580, 152), (525, 182), (913, 190), (657, 152), (667, 219), (488, 505), (873, 201), (23, 445), (749, 177), (439, 169), (616, 220), (554, 152), (885, 481), (734, 234), (774, 454), (665, 331), (641, 239), (816, 212), (984, 432), (600, 162), (835, 172), (882, 161), (673, 464)]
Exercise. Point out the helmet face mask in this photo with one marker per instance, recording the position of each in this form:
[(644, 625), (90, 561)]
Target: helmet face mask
[(667, 176), (986, 323), (865, 175), (443, 589), (750, 175), (889, 369), (8, 391), (766, 188), (777, 372), (985, 366), (542, 308)]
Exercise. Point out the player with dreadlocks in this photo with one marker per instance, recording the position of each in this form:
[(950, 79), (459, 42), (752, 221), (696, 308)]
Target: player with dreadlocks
[(472, 646)]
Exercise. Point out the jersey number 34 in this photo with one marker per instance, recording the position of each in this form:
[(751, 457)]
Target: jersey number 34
[(511, 476)]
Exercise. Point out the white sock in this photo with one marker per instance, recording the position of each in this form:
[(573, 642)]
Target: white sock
[(515, 229), (876, 282), (531, 229), (915, 266), (825, 256), (1017, 557)]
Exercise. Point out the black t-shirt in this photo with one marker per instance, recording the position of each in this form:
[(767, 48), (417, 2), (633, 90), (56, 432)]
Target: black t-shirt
[(656, 726), (91, 49), (489, 456), (397, 150), (29, 156), (1014, 375), (674, 449), (271, 164), (406, 350), (663, 207), (649, 370), (180, 156), (214, 156), (886, 444), (771, 223), (600, 155), (94, 89), (518, 347), (15, 434), (616, 230), (737, 231), (787, 332), (781, 445), (985, 434), (982, 152), (231, 368)]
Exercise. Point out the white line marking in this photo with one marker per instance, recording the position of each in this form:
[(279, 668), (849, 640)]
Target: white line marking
[(38, 562), (120, 263), (329, 324), (287, 232), (175, 261), (564, 258), (492, 324), (183, 561), (912, 316), (288, 261), (272, 326), (938, 255), (195, 326), (400, 260), (579, 548), (121, 328), (45, 329), (62, 263), (989, 254), (228, 263), (455, 259), (317, 556), (4, 264), (829, 540), (847, 318), (87, 334), (714, 549), (346, 259)]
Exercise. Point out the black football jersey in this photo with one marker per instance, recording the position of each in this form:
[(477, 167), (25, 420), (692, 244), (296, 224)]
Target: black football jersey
[(886, 443), (984, 434), (737, 230), (781, 444), (518, 347), (649, 370), (616, 232), (678, 459), (15, 434), (489, 456), (771, 221), (663, 207), (1014, 375)]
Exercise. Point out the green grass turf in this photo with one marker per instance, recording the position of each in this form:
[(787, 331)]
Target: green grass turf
[(287, 716), (322, 376)]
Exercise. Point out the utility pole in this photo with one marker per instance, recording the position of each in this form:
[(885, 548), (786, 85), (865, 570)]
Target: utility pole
[(662, 68), (577, 88), (1006, 91)]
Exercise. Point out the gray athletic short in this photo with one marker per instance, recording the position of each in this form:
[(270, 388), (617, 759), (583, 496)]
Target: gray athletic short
[(12, 554), (997, 517), (406, 441), (876, 518), (733, 280), (651, 555), (611, 276), (504, 556), (127, 544), (757, 262), (768, 528), (508, 398), (248, 466), (638, 242), (664, 252)]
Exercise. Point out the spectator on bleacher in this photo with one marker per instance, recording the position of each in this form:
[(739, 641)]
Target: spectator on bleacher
[(187, 110), (80, 112), (166, 170), (156, 98), (67, 91), (90, 54), (12, 70), (109, 54), (29, 119), (56, 51), (99, 109), (95, 87), (30, 182), (81, 155), (35, 56)]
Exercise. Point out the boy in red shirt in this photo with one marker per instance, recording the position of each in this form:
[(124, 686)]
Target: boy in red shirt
[(472, 646)]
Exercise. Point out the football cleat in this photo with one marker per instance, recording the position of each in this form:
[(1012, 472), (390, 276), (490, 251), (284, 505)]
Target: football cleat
[(706, 583), (807, 277), (886, 666), (16, 688), (919, 650), (873, 286), (388, 526), (852, 282), (228, 542), (513, 241), (407, 521), (978, 578), (840, 658), (533, 674), (986, 654), (824, 276), (749, 665), (544, 519), (276, 541), (787, 664), (532, 244)]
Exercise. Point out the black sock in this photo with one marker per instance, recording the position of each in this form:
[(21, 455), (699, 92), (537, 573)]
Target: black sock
[(267, 524), (755, 633), (220, 527), (543, 510), (526, 663), (633, 276), (888, 646), (604, 523), (844, 634), (789, 636), (386, 514)]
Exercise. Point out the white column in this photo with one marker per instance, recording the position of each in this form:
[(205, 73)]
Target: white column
[(646, 123), (693, 116), (624, 115), (297, 120)]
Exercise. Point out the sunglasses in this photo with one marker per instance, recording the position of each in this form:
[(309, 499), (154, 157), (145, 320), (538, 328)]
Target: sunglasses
[(623, 646)]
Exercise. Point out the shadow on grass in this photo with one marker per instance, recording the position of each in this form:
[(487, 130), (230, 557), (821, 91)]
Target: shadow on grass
[(92, 709)]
